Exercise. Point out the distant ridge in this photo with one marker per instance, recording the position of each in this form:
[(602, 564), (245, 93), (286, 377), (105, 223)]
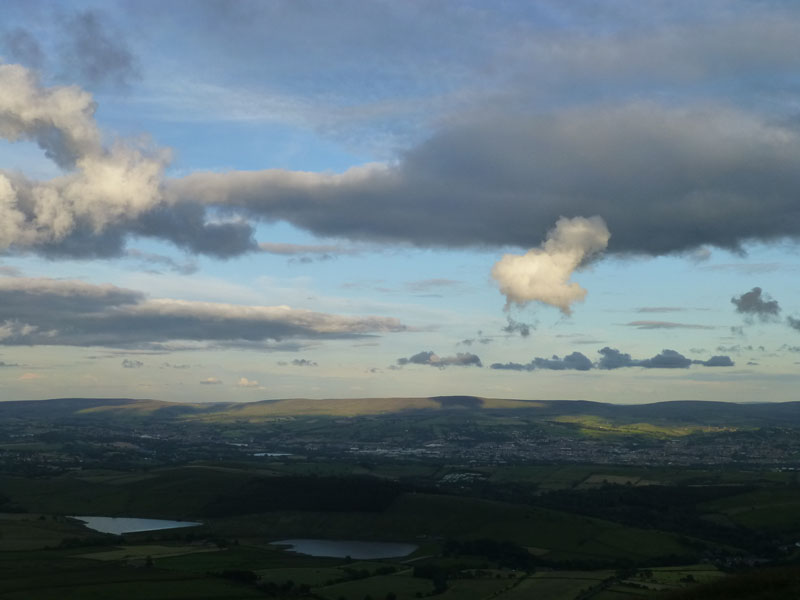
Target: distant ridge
[(678, 411)]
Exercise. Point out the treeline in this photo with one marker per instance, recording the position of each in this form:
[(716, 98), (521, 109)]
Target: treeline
[(667, 508), (503, 553), (322, 494), (781, 583)]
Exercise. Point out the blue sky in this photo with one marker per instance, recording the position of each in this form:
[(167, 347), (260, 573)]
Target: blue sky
[(207, 201)]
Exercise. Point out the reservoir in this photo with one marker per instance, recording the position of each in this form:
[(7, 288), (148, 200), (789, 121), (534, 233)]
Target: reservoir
[(120, 525), (345, 548)]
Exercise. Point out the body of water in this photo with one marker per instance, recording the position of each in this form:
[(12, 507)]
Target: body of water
[(351, 548), (120, 525)]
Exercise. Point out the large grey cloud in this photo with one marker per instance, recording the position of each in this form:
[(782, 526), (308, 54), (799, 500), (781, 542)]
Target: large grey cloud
[(64, 312), (664, 179), (666, 171)]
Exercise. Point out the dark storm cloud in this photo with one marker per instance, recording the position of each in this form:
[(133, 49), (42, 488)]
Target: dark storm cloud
[(505, 180), (185, 225), (190, 227), (754, 304), (63, 312), (461, 359), (94, 52), (666, 176), (793, 323)]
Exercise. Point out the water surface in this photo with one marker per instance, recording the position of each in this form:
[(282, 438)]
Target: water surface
[(351, 548), (120, 525)]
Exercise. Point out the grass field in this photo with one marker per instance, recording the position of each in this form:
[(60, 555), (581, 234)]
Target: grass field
[(403, 586)]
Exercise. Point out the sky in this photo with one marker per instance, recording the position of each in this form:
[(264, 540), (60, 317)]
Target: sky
[(214, 200)]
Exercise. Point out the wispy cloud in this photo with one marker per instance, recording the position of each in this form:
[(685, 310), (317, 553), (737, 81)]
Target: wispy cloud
[(666, 325), (74, 313)]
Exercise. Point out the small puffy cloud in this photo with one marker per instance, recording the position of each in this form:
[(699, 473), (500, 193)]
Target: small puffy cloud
[(302, 362), (611, 358), (512, 326), (716, 361), (755, 304), (571, 362), (542, 274), (211, 381), (128, 363), (244, 382), (461, 359), (479, 339), (793, 322), (666, 359), (30, 377), (699, 255), (575, 361)]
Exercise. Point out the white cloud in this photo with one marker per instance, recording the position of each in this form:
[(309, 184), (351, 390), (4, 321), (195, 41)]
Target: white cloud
[(542, 274), (104, 186), (244, 382)]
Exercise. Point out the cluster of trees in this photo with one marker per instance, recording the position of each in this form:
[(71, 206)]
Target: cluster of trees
[(503, 553), (668, 508)]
